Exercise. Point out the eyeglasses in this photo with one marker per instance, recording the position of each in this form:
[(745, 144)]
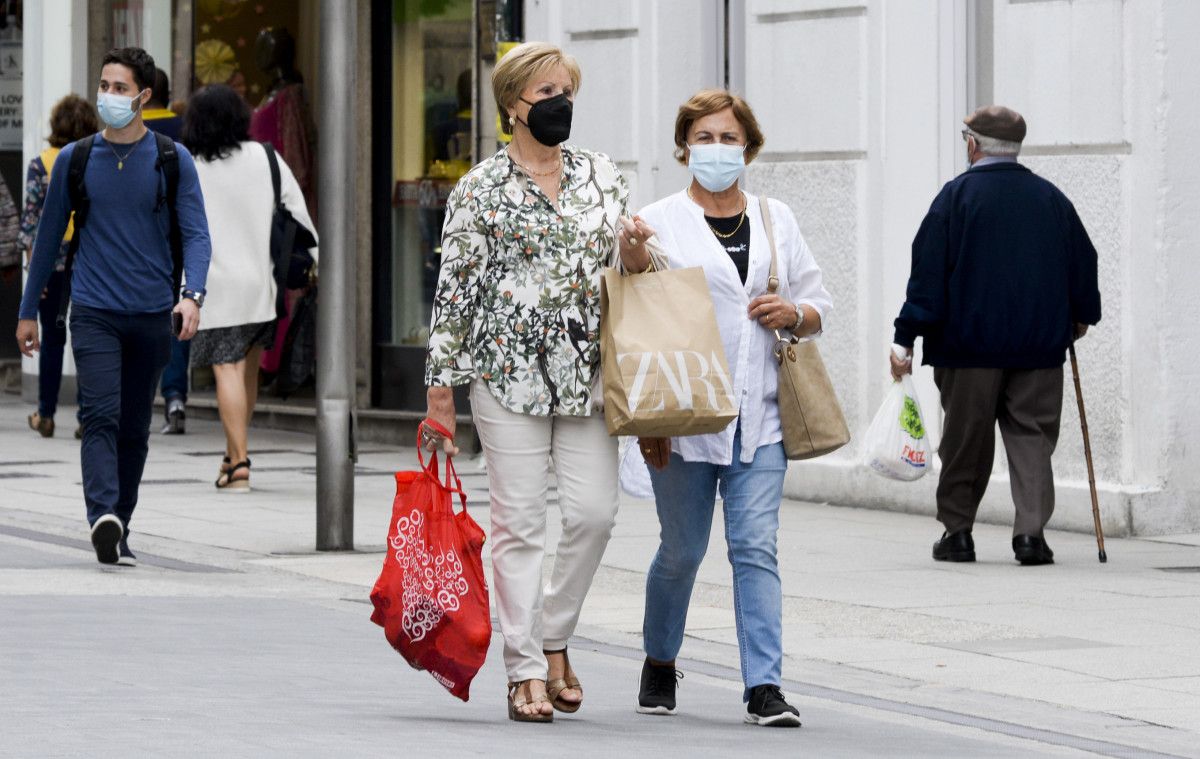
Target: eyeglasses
[(967, 134)]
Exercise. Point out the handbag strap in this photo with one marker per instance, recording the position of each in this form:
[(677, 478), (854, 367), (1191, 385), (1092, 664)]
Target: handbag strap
[(431, 468), (273, 162), (773, 275), (659, 261)]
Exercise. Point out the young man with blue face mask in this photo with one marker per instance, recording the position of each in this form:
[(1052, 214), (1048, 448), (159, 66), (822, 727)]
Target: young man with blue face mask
[(121, 286)]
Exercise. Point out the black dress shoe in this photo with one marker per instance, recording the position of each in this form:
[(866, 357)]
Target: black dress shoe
[(957, 547), (1031, 551)]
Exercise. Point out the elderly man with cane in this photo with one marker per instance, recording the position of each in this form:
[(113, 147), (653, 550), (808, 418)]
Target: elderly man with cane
[(1003, 281)]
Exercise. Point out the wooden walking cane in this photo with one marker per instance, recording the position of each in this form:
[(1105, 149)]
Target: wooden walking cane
[(1087, 452)]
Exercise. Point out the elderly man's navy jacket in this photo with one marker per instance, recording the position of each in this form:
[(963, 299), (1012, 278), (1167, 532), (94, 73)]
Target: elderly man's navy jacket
[(1001, 269)]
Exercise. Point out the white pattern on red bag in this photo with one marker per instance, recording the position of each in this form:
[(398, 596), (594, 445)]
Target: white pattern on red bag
[(433, 583)]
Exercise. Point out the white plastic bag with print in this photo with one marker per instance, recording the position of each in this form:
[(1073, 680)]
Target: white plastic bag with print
[(897, 443), (634, 472)]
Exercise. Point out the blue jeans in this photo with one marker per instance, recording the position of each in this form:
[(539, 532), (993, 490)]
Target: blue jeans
[(119, 358), (685, 495), (175, 377), (54, 342)]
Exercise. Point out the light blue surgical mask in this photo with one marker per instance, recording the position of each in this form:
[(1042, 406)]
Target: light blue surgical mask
[(716, 167), (117, 110)]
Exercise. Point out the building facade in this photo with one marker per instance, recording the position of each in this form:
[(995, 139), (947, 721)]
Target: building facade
[(861, 102)]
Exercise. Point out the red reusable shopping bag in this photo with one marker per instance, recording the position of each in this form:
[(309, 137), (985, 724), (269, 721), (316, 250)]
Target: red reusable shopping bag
[(431, 598)]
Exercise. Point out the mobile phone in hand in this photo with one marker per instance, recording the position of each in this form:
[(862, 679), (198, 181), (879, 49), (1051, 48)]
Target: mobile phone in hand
[(176, 323)]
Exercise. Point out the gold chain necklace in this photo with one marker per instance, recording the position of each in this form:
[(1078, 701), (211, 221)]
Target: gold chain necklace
[(121, 158), (557, 167), (741, 220)]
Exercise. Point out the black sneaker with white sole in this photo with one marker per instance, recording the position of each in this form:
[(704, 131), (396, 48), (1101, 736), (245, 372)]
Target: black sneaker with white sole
[(107, 533), (126, 558), (657, 692), (767, 708)]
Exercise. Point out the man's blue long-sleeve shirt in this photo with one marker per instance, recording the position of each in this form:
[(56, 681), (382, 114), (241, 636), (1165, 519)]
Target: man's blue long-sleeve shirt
[(124, 258)]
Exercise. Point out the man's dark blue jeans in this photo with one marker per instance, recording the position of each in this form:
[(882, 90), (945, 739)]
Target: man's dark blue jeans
[(119, 358), (175, 377)]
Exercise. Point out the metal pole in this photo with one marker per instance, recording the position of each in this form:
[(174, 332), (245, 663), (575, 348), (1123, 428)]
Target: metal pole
[(336, 311)]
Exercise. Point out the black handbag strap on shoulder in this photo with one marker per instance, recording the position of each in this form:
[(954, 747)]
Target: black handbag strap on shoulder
[(276, 181), (167, 163), (283, 234)]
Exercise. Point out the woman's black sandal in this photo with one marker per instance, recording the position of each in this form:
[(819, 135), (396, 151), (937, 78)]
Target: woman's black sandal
[(228, 483)]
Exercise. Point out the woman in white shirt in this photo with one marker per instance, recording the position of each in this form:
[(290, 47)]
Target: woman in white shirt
[(715, 225), (239, 309)]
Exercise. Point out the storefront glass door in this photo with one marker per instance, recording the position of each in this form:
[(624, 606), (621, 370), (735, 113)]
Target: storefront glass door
[(433, 70)]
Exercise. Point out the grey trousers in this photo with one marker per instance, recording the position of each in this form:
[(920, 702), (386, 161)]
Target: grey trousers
[(1027, 403)]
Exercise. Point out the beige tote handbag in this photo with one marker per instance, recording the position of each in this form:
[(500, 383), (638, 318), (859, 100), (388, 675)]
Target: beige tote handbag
[(813, 424)]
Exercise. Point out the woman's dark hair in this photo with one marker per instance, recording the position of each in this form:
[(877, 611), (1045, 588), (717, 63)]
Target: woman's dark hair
[(216, 122), (71, 119)]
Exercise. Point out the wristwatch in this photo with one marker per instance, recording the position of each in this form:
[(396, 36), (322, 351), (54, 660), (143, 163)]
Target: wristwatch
[(799, 318), (193, 295)]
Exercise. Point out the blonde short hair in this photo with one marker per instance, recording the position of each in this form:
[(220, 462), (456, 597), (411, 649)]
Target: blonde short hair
[(707, 102), (519, 66)]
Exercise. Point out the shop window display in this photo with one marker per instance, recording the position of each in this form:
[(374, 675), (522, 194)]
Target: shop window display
[(433, 82)]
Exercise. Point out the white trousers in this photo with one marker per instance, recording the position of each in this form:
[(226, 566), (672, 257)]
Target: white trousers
[(518, 449)]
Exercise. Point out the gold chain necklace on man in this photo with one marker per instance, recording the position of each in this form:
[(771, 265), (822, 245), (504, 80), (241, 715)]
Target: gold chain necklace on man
[(121, 158), (741, 220)]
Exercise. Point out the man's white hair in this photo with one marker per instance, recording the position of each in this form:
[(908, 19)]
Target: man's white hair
[(992, 146)]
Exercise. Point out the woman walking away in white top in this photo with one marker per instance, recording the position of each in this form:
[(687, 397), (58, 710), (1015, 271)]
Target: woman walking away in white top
[(239, 312)]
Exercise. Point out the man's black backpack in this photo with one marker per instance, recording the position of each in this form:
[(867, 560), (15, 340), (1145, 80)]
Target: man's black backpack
[(168, 164), (290, 241)]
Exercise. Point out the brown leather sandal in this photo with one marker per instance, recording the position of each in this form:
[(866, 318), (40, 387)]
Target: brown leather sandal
[(519, 695), (555, 687)]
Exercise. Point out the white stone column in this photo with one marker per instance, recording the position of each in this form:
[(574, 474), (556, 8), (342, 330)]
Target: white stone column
[(55, 64)]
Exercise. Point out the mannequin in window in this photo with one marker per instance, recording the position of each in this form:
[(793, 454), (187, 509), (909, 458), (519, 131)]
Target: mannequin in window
[(282, 118)]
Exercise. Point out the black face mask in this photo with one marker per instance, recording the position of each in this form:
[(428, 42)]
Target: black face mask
[(550, 120)]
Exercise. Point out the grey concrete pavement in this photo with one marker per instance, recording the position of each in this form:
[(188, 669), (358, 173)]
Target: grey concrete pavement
[(213, 676), (235, 636)]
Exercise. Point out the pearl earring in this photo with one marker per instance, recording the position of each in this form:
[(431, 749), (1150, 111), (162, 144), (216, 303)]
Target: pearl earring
[(512, 121)]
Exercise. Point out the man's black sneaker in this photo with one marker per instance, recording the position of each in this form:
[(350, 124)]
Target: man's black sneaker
[(959, 546), (126, 558), (657, 692), (767, 708), (106, 538), (176, 417)]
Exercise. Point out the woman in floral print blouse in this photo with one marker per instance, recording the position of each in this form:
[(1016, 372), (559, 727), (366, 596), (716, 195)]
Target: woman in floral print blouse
[(517, 316)]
